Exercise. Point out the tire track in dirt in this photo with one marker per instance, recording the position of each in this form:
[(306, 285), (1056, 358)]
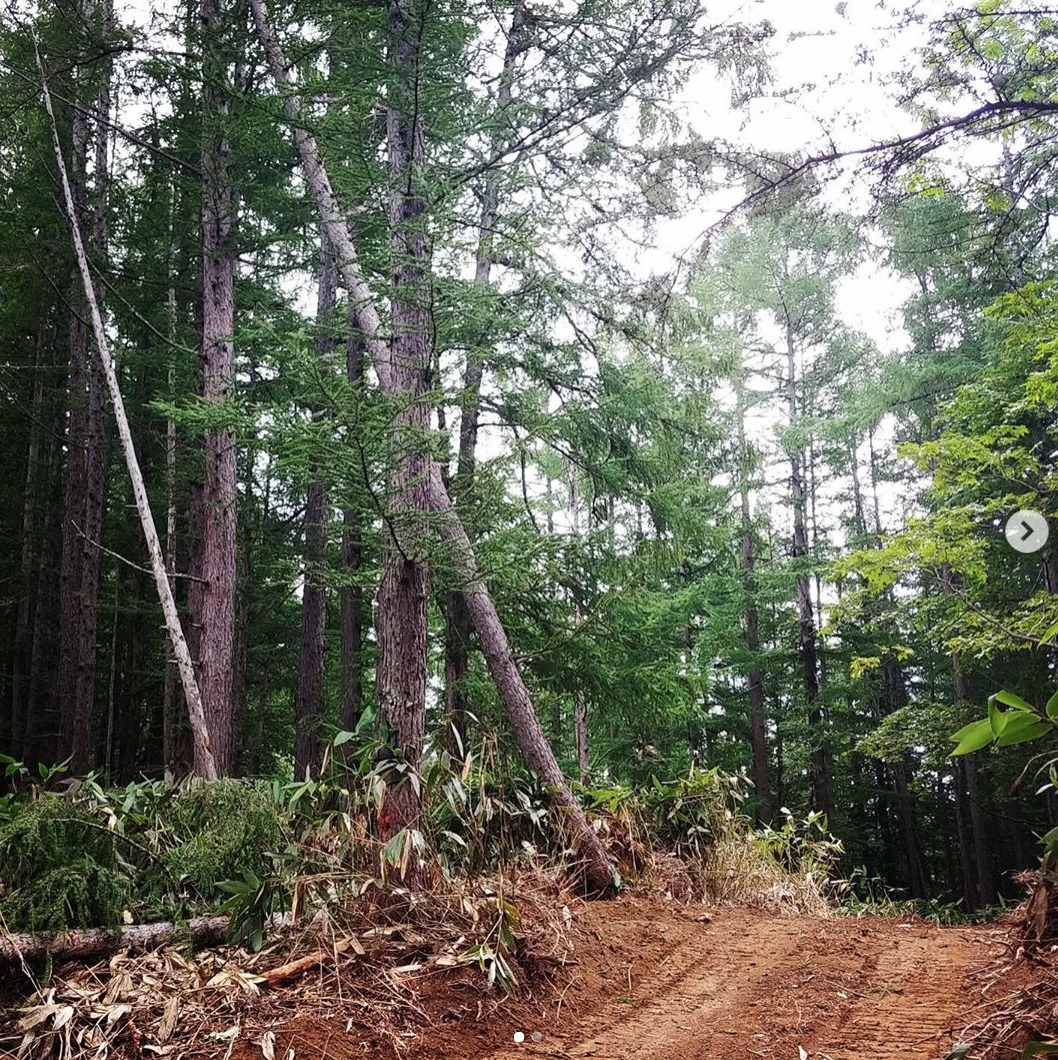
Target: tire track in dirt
[(752, 985), (915, 998)]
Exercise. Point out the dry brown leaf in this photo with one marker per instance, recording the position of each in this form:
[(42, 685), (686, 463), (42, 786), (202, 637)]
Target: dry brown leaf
[(36, 1015), (169, 1018)]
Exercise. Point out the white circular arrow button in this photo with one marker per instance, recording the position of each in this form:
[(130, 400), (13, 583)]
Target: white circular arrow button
[(1026, 531)]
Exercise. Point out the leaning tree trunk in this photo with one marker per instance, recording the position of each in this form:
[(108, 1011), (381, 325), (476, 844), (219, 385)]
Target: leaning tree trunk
[(204, 761), (597, 870), (308, 699), (211, 597)]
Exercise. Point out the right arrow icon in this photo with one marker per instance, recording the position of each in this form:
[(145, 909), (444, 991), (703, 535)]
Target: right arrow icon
[(1027, 531)]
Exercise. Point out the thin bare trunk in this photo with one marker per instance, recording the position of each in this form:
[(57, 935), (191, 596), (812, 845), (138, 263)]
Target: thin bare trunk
[(352, 593), (170, 727), (513, 692), (204, 762), (893, 692), (308, 702), (973, 840), (580, 702), (757, 735), (820, 768), (25, 612), (108, 745)]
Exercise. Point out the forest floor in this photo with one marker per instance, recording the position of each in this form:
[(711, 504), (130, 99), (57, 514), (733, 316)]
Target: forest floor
[(640, 979)]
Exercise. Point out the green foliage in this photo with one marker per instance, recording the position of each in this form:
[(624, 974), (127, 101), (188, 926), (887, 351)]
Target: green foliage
[(59, 868), (220, 832), (803, 847)]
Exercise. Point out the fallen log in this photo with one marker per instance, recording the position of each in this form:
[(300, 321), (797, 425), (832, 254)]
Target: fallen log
[(83, 943)]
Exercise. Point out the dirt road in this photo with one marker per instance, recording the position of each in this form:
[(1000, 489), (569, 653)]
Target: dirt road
[(748, 984), (649, 980)]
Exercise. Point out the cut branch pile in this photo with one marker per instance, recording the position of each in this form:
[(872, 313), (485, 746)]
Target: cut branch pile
[(1015, 1018), (227, 1002), (1036, 922), (1020, 990)]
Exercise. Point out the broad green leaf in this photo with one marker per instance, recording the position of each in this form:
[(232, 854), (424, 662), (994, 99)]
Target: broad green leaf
[(1012, 700), (997, 719), (973, 737), (1025, 733), (1017, 720), (1052, 707), (1050, 838)]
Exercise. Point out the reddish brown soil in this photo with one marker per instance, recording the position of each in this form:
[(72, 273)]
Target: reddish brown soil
[(653, 981)]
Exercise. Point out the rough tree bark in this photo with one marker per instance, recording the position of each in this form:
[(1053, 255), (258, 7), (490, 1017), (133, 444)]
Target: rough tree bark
[(308, 698), (86, 448), (211, 597), (402, 596), (597, 871), (205, 765)]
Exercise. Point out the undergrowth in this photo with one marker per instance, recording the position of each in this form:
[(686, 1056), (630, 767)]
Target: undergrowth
[(863, 895), (93, 856)]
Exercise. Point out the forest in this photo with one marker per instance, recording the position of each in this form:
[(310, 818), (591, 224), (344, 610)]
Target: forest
[(479, 419)]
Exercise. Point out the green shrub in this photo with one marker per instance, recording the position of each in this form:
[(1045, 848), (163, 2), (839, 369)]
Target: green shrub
[(220, 831), (58, 868)]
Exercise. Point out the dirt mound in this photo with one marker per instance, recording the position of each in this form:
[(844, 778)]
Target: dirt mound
[(654, 980)]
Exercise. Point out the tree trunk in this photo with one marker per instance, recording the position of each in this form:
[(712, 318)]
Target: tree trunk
[(598, 874), (821, 768), (351, 595), (894, 697), (457, 616), (24, 614), (204, 761), (969, 813), (171, 757), (757, 736), (308, 702), (894, 690), (86, 459), (580, 703), (402, 598), (212, 594)]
